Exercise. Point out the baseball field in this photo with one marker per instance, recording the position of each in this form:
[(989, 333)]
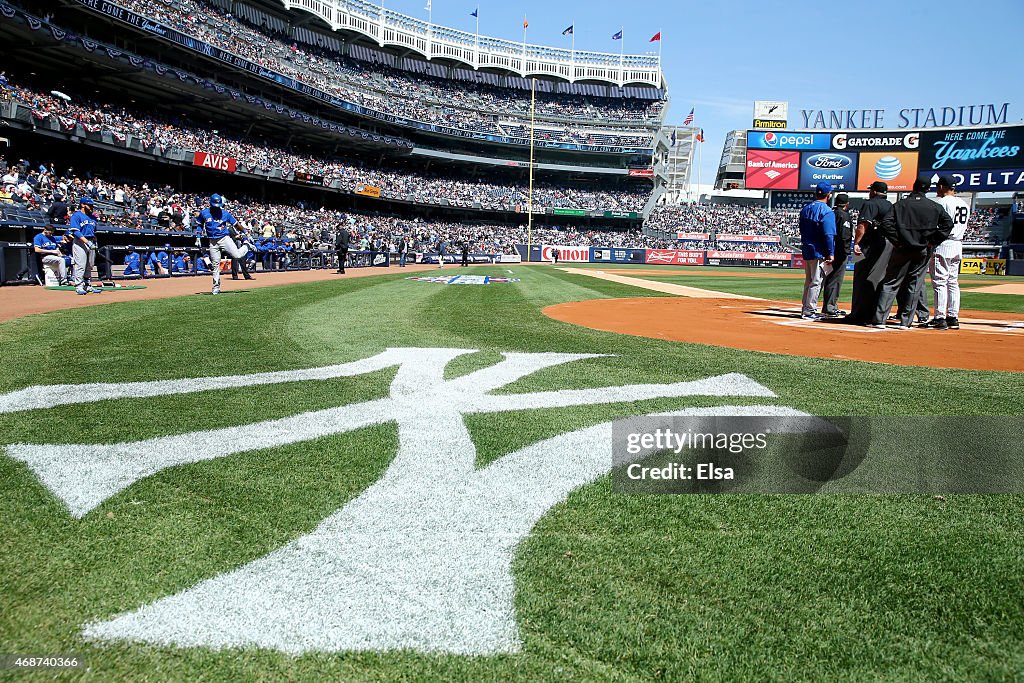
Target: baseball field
[(381, 478)]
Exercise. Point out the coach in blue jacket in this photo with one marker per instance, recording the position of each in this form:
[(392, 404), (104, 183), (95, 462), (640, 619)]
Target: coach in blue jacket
[(818, 235)]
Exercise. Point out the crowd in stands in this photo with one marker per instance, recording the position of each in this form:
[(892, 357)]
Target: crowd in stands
[(264, 156), (469, 107), (754, 220), (727, 218)]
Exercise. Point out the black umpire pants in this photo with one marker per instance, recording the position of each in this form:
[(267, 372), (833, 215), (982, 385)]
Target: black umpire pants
[(341, 255), (903, 278), (868, 275), (833, 283)]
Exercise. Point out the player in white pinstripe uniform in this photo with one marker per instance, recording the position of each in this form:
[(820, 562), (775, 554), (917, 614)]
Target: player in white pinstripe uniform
[(945, 266)]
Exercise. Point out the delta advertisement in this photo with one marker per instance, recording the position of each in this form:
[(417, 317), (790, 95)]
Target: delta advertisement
[(980, 160), (773, 170)]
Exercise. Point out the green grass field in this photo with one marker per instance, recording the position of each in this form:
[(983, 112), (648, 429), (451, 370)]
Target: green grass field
[(607, 586)]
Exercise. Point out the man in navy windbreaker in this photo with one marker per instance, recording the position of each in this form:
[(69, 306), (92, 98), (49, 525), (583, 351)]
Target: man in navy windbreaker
[(818, 234)]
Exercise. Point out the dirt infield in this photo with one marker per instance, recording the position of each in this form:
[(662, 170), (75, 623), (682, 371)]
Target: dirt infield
[(23, 300), (986, 341)]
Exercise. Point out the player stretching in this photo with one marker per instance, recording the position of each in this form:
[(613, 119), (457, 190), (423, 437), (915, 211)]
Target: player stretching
[(946, 261), (214, 224)]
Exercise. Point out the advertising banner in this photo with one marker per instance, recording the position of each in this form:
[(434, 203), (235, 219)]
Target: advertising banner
[(945, 151), (622, 214), (569, 212), (984, 159), (897, 169), (750, 255), (684, 236), (368, 191), (567, 254), (983, 266), (770, 170), (875, 142), (214, 161), (609, 255), (838, 169), (758, 139), (764, 239), (307, 178), (991, 180), (641, 172), (675, 257)]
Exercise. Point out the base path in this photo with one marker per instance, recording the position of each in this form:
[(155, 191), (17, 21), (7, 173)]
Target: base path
[(663, 287), (21, 300), (986, 341)]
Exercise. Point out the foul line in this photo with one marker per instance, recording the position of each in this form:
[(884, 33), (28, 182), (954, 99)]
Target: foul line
[(663, 287)]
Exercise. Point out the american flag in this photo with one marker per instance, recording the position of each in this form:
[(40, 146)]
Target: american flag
[(689, 118)]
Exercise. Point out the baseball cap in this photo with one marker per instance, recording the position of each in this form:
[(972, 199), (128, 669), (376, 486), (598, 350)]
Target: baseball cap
[(167, 246), (86, 201), (842, 198), (947, 181), (131, 247), (879, 186), (824, 187)]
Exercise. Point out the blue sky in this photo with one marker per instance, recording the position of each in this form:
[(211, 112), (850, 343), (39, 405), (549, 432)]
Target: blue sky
[(719, 57)]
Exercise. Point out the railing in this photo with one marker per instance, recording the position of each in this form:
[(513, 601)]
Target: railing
[(388, 27)]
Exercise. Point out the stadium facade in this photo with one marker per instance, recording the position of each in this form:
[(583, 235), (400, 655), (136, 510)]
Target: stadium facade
[(340, 104)]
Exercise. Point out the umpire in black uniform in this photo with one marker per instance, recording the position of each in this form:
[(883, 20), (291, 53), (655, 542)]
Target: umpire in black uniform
[(915, 224), (341, 240), (868, 241), (241, 237), (844, 238)]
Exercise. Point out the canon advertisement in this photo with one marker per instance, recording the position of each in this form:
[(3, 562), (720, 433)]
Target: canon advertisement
[(980, 160)]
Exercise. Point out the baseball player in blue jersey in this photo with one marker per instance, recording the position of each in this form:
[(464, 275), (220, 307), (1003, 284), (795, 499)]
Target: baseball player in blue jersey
[(82, 228), (215, 224), (132, 262), (49, 253)]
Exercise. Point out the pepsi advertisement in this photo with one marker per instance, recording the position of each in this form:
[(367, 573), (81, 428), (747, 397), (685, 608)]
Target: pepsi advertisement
[(980, 160), (760, 139), (838, 169)]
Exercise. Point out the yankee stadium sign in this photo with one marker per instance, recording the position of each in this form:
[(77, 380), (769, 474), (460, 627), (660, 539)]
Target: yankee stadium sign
[(934, 117)]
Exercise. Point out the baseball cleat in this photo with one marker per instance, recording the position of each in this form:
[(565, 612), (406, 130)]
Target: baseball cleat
[(81, 290), (952, 323), (216, 290), (939, 324)]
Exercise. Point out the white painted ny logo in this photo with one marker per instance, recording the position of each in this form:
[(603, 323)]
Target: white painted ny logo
[(421, 559)]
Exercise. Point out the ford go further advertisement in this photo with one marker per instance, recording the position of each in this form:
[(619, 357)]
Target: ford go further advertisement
[(838, 169)]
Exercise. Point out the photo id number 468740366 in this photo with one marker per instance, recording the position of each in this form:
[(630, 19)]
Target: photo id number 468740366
[(28, 662)]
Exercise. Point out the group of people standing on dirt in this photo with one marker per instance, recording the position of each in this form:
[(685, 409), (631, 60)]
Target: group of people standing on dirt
[(893, 246)]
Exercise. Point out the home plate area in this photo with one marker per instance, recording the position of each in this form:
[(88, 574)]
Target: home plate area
[(464, 279)]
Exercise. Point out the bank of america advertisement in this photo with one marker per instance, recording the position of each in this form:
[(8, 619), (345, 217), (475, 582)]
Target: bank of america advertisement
[(838, 169), (772, 170)]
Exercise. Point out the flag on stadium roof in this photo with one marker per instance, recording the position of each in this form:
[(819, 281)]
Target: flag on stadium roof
[(655, 38), (475, 13), (689, 118), (700, 135), (673, 137), (617, 36), (568, 31), (526, 24)]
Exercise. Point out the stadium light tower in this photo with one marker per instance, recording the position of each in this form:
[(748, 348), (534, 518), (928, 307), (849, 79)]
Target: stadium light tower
[(529, 195)]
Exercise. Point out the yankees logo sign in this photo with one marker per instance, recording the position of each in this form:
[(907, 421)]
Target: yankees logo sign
[(421, 560)]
